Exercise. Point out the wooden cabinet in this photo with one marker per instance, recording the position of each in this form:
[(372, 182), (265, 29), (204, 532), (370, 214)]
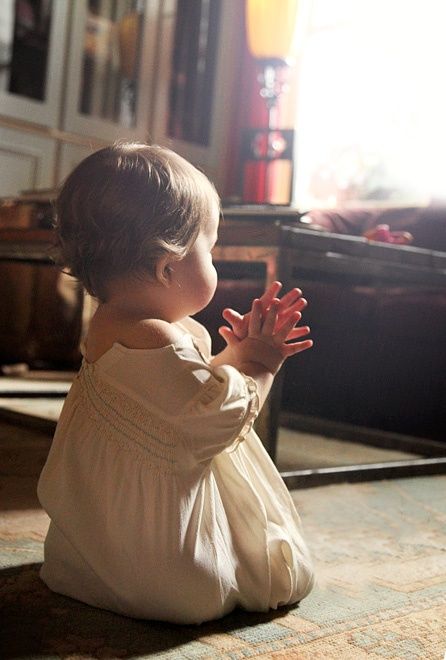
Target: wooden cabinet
[(209, 153), (110, 69), (32, 51), (76, 75), (69, 156), (26, 162)]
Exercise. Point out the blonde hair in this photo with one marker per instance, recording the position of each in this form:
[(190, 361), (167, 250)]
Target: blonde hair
[(124, 207)]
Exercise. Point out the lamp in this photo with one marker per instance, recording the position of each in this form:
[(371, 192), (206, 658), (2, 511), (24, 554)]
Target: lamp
[(271, 30), (271, 36), (271, 27)]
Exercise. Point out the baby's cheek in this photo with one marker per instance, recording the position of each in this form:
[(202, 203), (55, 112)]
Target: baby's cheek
[(209, 284), (214, 279)]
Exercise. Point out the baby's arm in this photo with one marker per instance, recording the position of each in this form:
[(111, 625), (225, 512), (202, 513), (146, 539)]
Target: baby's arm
[(262, 352)]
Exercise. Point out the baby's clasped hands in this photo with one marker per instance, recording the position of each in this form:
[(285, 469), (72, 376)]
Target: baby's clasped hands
[(267, 341), (291, 302)]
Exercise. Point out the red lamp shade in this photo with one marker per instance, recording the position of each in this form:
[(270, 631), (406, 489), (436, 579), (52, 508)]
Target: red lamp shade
[(271, 28)]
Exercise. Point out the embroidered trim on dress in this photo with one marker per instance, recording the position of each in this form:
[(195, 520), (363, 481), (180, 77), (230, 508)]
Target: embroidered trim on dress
[(111, 409), (120, 403)]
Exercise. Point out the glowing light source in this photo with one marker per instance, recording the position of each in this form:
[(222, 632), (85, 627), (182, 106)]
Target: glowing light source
[(271, 28)]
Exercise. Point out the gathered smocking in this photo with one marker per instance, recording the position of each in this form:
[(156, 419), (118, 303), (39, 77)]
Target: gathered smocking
[(129, 424), (217, 418)]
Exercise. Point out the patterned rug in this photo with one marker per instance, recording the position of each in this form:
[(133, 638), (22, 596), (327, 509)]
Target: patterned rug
[(380, 554)]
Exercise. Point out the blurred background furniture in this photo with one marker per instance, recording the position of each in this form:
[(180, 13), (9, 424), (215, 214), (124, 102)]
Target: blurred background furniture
[(77, 75), (377, 314), (379, 329)]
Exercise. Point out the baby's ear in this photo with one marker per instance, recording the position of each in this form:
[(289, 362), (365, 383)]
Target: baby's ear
[(163, 270)]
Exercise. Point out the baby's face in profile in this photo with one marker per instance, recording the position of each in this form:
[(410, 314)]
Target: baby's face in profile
[(194, 278)]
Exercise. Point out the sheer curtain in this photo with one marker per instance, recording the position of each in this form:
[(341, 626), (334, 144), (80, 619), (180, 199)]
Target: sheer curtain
[(371, 111)]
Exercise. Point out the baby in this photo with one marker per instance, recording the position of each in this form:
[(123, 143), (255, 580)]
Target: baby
[(163, 501)]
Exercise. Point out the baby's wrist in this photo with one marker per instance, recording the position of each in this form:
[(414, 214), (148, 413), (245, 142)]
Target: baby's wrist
[(251, 368), (256, 351)]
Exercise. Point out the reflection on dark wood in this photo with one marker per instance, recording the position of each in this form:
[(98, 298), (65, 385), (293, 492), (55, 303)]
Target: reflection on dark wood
[(112, 44), (29, 53), (193, 70), (371, 472)]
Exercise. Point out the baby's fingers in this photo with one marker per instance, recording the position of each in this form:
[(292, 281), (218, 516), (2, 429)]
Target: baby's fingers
[(269, 295), (295, 333), (228, 335), (255, 318), (239, 323), (283, 332), (290, 298), (297, 306), (270, 319), (231, 316), (298, 347)]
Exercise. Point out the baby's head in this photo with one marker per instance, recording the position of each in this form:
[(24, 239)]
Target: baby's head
[(126, 206)]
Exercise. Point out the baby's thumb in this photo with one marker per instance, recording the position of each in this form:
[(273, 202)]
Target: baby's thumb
[(231, 316), (228, 335)]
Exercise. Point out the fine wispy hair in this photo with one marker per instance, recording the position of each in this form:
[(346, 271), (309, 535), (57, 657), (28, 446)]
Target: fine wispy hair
[(124, 207)]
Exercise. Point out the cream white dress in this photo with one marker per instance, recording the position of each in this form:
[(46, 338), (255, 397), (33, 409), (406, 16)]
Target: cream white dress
[(163, 501)]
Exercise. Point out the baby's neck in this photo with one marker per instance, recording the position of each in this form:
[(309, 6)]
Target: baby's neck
[(138, 299)]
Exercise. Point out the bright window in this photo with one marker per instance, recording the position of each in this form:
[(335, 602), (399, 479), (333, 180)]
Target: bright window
[(371, 115)]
